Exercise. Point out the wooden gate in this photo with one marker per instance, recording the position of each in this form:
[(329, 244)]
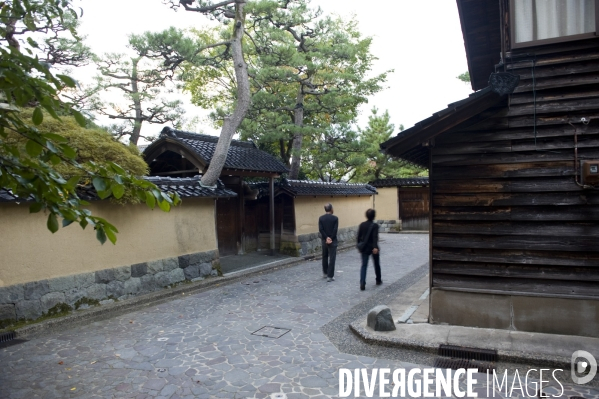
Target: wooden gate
[(414, 206), (227, 211)]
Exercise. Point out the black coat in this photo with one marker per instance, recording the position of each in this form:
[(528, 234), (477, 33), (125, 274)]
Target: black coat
[(372, 240), (327, 226)]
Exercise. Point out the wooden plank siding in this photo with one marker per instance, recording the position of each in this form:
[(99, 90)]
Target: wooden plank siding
[(507, 214)]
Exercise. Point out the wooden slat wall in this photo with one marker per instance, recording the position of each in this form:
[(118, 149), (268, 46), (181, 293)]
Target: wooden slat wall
[(508, 216)]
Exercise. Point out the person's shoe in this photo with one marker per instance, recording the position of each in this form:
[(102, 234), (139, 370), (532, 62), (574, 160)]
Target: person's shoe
[(362, 287), (379, 282), (330, 279), (324, 275)]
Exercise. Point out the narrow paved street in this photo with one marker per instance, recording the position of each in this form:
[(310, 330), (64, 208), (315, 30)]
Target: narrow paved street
[(201, 346)]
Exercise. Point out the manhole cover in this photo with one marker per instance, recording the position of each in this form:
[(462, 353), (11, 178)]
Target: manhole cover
[(271, 332)]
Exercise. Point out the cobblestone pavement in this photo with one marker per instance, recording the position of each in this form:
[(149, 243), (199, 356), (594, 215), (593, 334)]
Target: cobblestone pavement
[(201, 346)]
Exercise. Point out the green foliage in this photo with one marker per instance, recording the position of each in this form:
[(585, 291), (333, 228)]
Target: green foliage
[(378, 164), (297, 59), (92, 146), (335, 155), (465, 77), (141, 81), (30, 170)]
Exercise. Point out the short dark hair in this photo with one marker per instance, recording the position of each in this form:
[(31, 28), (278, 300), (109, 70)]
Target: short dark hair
[(328, 207), (370, 214)]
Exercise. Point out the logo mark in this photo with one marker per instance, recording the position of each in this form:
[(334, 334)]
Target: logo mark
[(580, 366)]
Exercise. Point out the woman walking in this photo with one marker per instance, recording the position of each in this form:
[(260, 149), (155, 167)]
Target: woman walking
[(368, 244)]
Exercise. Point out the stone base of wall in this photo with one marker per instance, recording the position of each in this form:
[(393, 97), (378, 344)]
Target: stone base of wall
[(565, 316), (33, 300), (386, 226), (312, 243)]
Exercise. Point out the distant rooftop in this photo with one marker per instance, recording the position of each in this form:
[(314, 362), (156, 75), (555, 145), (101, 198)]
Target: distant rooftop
[(401, 182)]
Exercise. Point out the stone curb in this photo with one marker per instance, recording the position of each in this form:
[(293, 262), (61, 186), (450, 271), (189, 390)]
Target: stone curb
[(122, 307), (503, 356)]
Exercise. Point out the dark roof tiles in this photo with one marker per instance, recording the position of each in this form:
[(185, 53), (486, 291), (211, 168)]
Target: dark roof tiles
[(318, 188), (186, 188), (401, 182), (242, 155)]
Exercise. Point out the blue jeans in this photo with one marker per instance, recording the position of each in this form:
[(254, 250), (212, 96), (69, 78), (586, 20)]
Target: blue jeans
[(377, 267)]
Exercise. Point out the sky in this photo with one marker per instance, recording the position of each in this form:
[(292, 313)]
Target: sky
[(420, 40)]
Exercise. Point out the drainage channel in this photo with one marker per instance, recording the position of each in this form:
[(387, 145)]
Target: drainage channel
[(457, 357), (9, 338)]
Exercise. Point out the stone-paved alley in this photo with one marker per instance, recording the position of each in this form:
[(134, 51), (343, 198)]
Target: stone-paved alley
[(201, 346)]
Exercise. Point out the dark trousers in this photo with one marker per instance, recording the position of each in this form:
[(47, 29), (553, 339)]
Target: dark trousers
[(329, 254), (377, 267)]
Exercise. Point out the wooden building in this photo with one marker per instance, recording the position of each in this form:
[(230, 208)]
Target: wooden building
[(403, 202), (183, 154), (514, 172), (299, 204)]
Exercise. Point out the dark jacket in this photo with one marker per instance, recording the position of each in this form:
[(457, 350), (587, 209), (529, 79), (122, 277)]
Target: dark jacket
[(327, 226), (373, 240)]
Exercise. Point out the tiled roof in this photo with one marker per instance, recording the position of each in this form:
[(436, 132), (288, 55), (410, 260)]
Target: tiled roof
[(188, 187), (403, 182), (242, 155), (317, 188)]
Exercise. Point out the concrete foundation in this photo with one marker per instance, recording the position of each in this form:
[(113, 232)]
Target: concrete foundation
[(519, 313)]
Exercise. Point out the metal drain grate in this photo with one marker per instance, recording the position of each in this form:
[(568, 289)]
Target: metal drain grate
[(454, 364), (465, 353), (271, 332), (7, 336), (9, 339)]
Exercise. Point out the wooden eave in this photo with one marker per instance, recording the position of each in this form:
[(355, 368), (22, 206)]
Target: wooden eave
[(412, 144), (481, 28), (164, 144)]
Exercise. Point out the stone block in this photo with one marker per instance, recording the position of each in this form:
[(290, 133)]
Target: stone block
[(105, 276), (85, 280), (201, 257), (183, 261), (192, 271), (170, 264), (52, 299), (133, 286), (148, 283), (205, 269), (176, 276), (122, 273), (115, 289), (96, 291), (8, 314), (29, 310), (62, 284), (36, 289), (12, 293), (162, 280), (155, 266), (380, 319), (139, 270), (73, 295)]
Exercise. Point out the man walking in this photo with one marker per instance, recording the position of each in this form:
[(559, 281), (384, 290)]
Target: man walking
[(328, 225), (368, 233)]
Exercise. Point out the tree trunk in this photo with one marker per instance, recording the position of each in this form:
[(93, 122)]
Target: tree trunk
[(231, 123), (134, 137), (296, 148)]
